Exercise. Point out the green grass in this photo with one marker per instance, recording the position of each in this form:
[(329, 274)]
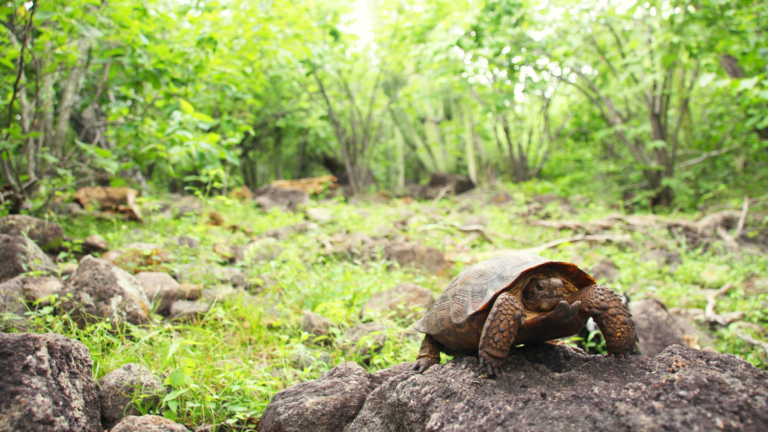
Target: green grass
[(227, 366)]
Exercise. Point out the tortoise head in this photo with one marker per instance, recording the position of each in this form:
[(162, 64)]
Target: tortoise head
[(543, 294)]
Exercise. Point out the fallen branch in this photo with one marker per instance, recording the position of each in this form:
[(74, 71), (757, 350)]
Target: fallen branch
[(750, 340), (713, 317), (742, 218), (440, 195), (728, 239), (558, 242), (488, 234)]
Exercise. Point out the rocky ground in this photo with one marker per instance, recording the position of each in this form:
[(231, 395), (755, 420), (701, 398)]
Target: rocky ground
[(294, 313)]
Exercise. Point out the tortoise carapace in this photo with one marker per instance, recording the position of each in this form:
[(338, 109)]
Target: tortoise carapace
[(519, 298)]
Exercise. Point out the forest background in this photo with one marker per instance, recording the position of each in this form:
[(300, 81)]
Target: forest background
[(660, 103)]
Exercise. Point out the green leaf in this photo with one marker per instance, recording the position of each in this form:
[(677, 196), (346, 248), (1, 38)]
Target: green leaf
[(186, 107), (174, 395), (706, 79), (747, 83)]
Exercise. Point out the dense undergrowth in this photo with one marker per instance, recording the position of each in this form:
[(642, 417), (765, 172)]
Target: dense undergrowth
[(227, 366)]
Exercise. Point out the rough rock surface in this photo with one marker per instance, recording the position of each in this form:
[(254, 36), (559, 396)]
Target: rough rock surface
[(326, 404), (681, 389), (270, 196), (122, 387), (663, 258), (162, 290), (48, 235), (148, 423), (656, 327), (102, 290), (46, 384), (404, 300), (411, 254)]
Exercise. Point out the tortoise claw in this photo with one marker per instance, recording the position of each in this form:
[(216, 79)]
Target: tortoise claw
[(497, 371)]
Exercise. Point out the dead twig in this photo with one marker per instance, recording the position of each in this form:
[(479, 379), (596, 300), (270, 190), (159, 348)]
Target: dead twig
[(558, 242), (440, 195), (742, 218), (728, 239), (713, 317), (749, 339), (487, 234)]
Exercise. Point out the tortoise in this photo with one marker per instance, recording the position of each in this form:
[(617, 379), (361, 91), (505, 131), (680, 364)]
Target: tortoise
[(519, 298)]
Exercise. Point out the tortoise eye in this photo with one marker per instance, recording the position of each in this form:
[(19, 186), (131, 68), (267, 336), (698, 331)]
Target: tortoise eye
[(539, 286)]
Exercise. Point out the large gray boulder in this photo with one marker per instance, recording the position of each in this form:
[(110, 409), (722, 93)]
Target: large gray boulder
[(46, 384), (148, 423), (655, 326), (19, 254), (101, 290), (554, 387), (46, 234), (122, 389)]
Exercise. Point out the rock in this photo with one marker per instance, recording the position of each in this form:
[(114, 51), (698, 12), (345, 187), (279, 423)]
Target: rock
[(148, 423), (319, 215), (365, 338), (162, 290), (553, 387), (304, 359), (188, 206), (453, 183), (411, 254), (185, 241), (755, 286), (656, 327), (327, 404), (269, 196), (315, 325), (196, 273), (241, 193), (266, 249), (403, 301), (224, 252), (19, 254), (101, 290), (24, 293), (185, 310), (606, 270), (113, 199), (121, 389), (46, 384), (662, 258), (95, 244), (46, 234), (137, 255), (285, 232)]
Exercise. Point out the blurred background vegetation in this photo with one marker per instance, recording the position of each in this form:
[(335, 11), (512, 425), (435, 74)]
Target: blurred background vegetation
[(658, 103)]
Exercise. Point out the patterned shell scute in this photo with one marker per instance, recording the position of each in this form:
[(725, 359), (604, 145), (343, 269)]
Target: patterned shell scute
[(473, 289)]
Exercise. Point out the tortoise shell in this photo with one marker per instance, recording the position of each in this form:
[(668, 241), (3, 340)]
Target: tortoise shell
[(457, 317)]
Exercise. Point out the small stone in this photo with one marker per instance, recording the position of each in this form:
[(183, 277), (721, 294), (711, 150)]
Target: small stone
[(306, 358), (319, 215), (121, 389), (315, 325), (188, 242), (95, 244), (662, 258), (148, 423), (185, 310), (405, 300), (162, 290), (225, 252), (366, 338)]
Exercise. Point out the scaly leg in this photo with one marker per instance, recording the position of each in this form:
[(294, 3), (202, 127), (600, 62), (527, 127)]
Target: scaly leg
[(505, 319), (429, 354), (611, 316)]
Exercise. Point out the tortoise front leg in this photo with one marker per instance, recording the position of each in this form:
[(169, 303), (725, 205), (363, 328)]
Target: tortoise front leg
[(429, 354), (505, 319), (611, 316)]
